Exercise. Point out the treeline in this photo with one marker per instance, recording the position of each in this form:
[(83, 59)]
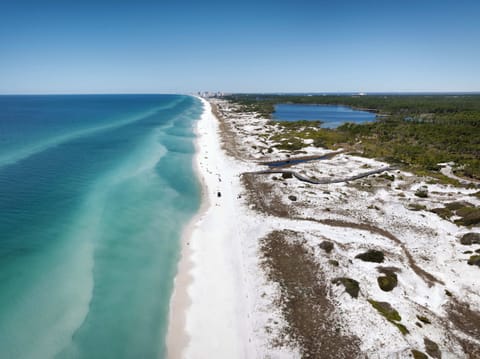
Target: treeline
[(420, 145), (418, 131), (457, 107)]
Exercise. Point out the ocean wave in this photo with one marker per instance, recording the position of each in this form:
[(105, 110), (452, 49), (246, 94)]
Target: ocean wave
[(19, 155), (101, 287), (55, 141)]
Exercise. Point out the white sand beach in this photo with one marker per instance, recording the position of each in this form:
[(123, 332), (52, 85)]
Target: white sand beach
[(225, 305), (209, 299)]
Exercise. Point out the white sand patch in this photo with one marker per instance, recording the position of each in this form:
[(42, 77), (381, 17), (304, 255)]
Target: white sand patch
[(232, 302), (225, 317)]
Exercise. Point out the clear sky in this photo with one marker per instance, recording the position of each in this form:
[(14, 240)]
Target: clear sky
[(120, 46)]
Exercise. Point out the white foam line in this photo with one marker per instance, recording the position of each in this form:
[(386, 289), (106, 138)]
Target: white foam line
[(8, 159)]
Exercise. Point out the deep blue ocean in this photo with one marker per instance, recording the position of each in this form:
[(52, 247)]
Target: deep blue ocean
[(331, 116), (94, 193)]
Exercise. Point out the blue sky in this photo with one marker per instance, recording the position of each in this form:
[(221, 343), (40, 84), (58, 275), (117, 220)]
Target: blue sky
[(245, 46)]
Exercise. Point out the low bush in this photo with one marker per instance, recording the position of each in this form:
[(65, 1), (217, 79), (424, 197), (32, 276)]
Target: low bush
[(371, 255), (442, 212), (474, 260), (418, 354), (327, 246), (391, 314), (422, 192), (387, 177), (352, 287), (387, 282), (470, 216), (424, 319), (470, 238), (432, 348), (416, 207), (386, 310)]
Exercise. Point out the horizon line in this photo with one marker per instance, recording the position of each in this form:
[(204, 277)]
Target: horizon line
[(434, 92)]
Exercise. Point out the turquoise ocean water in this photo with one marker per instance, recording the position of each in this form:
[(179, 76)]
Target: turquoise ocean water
[(94, 193)]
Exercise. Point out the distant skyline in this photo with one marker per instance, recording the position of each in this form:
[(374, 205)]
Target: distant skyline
[(249, 46)]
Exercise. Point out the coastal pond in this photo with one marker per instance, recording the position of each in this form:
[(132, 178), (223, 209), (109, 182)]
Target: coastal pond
[(331, 116)]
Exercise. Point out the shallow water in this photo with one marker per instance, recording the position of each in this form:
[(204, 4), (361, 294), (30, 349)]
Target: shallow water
[(94, 193)]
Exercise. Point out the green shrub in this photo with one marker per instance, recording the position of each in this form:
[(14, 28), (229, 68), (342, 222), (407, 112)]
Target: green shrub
[(352, 287), (403, 329), (386, 310), (387, 282), (474, 260), (371, 255), (391, 314), (470, 238), (455, 206), (442, 212), (422, 192), (327, 246), (333, 262), (387, 177), (418, 354), (416, 207), (432, 348), (470, 216), (424, 319)]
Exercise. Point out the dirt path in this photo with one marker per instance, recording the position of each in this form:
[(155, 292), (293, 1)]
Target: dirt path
[(227, 135), (427, 277)]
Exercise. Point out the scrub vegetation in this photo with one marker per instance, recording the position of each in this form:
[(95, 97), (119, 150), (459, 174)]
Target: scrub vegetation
[(391, 314), (417, 132)]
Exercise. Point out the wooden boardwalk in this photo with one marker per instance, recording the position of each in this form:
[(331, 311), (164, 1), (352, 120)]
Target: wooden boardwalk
[(295, 160), (323, 180), (279, 166)]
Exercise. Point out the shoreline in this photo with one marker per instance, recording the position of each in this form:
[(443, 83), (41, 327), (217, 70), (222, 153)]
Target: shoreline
[(206, 316), (177, 337)]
